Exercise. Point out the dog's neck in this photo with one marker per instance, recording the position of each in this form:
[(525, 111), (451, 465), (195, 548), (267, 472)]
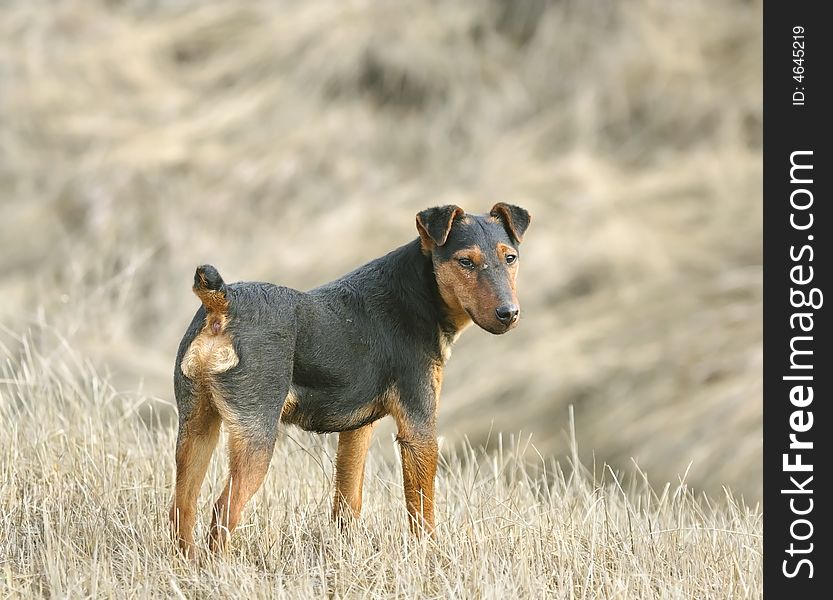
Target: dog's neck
[(418, 293)]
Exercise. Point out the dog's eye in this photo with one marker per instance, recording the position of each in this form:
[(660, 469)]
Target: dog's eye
[(466, 263), (510, 258)]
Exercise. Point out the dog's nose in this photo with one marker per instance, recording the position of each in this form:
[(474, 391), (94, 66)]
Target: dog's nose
[(507, 314)]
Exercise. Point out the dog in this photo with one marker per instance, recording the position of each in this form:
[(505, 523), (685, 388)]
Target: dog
[(337, 359)]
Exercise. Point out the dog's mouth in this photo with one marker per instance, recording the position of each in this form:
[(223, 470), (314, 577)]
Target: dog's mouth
[(494, 327)]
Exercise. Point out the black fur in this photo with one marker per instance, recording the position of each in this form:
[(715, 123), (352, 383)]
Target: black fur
[(207, 277), (514, 218), (343, 345), (436, 222), (337, 358)]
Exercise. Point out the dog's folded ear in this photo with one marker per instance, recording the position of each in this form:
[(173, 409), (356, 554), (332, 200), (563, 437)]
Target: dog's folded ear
[(434, 224), (514, 218)]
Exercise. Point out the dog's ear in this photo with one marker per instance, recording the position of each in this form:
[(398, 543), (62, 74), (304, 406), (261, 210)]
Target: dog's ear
[(434, 224), (514, 218)]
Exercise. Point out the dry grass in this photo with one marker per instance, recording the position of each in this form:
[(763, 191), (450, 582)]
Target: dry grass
[(291, 141), (85, 483)]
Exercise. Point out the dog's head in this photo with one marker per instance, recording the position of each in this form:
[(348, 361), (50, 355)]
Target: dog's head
[(476, 262)]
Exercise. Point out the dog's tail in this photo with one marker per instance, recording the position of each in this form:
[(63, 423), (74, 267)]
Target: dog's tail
[(211, 350), (211, 290)]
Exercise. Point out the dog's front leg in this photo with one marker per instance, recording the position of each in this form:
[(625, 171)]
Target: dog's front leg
[(419, 467), (415, 411)]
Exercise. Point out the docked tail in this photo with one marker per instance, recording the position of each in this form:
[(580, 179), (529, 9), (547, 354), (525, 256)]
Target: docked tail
[(211, 351), (211, 289)]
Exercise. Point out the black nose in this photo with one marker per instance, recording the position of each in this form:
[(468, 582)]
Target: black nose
[(507, 314)]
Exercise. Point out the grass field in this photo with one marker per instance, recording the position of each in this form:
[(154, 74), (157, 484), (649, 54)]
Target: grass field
[(291, 141), (85, 481)]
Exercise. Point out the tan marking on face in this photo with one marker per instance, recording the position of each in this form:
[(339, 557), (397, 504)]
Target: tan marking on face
[(452, 281), (473, 253), (503, 250), (463, 295)]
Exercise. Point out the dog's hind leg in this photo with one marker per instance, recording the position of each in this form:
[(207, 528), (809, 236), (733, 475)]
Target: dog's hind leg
[(198, 433), (251, 420), (248, 463), (349, 476)]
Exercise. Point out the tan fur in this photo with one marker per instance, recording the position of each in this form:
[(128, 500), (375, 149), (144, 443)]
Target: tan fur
[(447, 343), (214, 301), (209, 353), (197, 442), (247, 470), (437, 382), (349, 475), (394, 408), (460, 291), (503, 250), (419, 451), (474, 253), (289, 406), (419, 466), (212, 350), (457, 288)]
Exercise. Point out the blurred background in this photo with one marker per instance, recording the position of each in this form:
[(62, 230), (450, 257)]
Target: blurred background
[(291, 141)]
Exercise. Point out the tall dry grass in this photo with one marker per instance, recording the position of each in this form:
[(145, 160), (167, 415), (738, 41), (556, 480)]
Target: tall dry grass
[(86, 478)]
